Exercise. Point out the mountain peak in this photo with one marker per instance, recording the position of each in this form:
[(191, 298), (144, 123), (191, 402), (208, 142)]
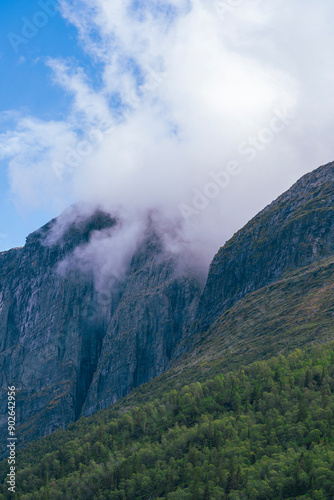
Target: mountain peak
[(293, 231)]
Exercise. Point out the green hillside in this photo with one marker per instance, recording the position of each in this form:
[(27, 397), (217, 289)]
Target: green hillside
[(263, 432), (291, 313)]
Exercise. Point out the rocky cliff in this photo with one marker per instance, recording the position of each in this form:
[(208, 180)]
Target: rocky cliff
[(61, 343), (293, 231), (69, 353), (158, 303)]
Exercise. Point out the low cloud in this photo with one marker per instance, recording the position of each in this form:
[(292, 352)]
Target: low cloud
[(107, 255)]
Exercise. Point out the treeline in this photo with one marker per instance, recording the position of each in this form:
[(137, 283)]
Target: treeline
[(265, 432)]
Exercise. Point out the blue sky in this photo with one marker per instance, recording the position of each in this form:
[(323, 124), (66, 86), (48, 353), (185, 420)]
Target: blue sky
[(26, 87), (136, 106)]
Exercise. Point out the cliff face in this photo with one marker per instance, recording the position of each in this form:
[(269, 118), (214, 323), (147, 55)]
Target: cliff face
[(57, 336), (157, 304), (293, 231), (48, 348), (69, 353)]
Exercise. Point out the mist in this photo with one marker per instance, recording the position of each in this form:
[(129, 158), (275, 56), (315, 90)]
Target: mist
[(201, 113)]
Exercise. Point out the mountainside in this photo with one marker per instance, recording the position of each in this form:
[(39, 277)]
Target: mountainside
[(294, 312), (49, 350), (293, 231), (57, 338), (69, 354), (157, 304)]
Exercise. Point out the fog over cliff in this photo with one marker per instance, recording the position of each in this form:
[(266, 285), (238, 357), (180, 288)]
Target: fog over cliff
[(193, 116)]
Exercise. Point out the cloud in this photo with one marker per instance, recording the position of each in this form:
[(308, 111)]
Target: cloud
[(181, 85), (30, 150), (107, 255)]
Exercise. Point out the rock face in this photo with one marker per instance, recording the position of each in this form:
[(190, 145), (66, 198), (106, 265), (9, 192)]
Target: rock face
[(69, 353), (158, 303), (60, 344), (293, 231), (48, 348)]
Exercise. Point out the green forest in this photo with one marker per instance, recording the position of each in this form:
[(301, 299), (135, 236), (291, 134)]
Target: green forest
[(264, 431)]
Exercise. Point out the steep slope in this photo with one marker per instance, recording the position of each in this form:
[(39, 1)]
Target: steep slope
[(49, 348), (293, 231), (149, 323), (52, 327), (296, 311), (301, 318)]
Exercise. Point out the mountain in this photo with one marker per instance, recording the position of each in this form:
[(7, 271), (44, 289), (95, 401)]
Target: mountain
[(293, 231), (269, 289), (158, 302), (65, 348)]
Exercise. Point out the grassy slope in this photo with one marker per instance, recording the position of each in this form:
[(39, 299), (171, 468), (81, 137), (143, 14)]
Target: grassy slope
[(293, 312)]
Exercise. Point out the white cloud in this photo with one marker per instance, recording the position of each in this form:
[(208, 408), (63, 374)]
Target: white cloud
[(88, 106), (107, 255), (192, 87), (30, 150)]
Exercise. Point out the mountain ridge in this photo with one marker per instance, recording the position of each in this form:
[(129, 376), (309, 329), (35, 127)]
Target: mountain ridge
[(258, 253)]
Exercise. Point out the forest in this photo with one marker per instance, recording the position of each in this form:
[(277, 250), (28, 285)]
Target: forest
[(264, 431)]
